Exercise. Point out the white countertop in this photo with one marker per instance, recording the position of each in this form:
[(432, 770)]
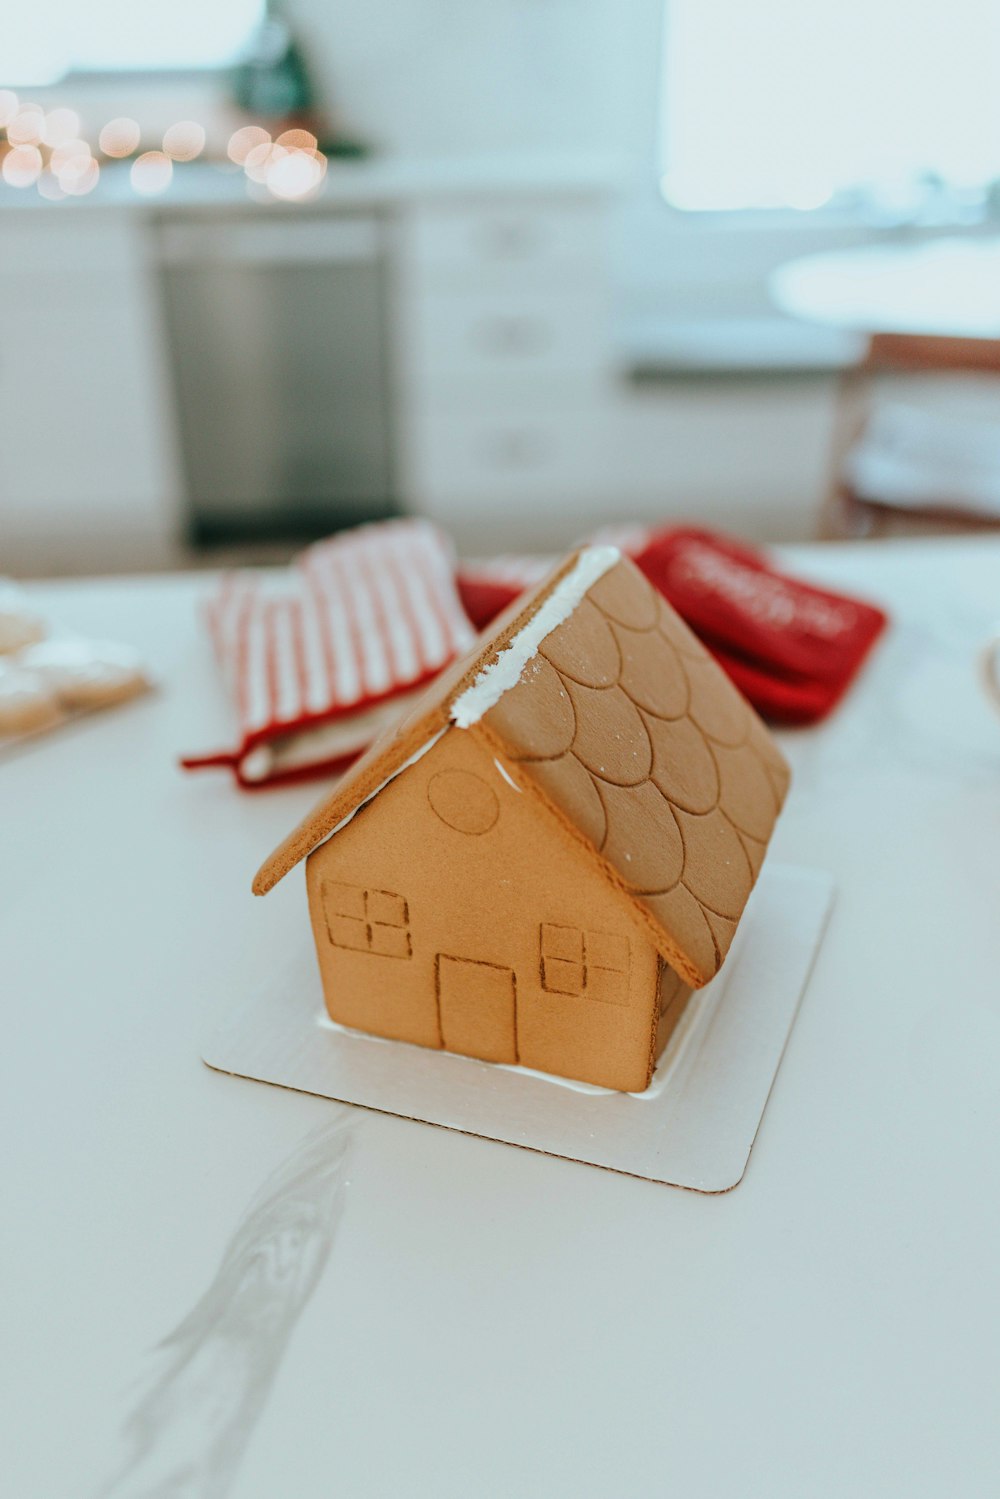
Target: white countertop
[(366, 183), (492, 1322)]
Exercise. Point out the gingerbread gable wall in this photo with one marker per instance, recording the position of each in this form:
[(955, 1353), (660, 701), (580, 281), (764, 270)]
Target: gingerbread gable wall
[(453, 875)]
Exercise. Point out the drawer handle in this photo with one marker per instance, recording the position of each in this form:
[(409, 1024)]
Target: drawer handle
[(515, 448), (511, 335), (509, 239)]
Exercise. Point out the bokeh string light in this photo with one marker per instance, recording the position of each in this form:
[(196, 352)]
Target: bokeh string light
[(60, 125), (74, 170), (151, 173), (296, 175), (261, 159), (120, 137), (22, 166), (291, 168), (79, 176), (243, 141), (184, 141), (62, 155), (298, 140), (48, 150), (26, 126)]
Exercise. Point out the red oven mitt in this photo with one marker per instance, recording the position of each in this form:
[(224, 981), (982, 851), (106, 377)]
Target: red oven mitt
[(319, 657), (486, 586), (791, 648)]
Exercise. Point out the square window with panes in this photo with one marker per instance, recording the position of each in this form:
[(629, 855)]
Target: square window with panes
[(376, 921), (588, 965)]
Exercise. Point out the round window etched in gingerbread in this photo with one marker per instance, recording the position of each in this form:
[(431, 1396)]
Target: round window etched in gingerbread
[(463, 801)]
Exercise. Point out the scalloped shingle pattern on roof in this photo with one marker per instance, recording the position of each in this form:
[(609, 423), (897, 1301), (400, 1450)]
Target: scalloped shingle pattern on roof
[(636, 735)]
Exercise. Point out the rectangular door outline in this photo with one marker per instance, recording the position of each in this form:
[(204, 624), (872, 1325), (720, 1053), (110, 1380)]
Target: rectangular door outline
[(477, 1008)]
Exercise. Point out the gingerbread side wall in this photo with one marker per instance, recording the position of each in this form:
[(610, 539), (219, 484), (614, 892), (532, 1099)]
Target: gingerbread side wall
[(454, 911)]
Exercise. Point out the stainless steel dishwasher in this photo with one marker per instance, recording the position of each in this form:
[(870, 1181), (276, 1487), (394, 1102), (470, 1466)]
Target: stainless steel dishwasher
[(277, 332)]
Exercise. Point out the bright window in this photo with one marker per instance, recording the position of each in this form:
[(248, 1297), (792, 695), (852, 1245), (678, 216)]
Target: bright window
[(41, 44), (800, 103)]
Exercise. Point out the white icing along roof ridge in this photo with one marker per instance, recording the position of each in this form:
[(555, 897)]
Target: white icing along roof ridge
[(504, 671)]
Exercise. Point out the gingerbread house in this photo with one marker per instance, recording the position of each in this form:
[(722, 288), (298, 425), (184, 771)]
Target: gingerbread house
[(544, 859)]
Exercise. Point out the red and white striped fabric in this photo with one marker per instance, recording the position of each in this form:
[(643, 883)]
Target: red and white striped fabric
[(317, 659)]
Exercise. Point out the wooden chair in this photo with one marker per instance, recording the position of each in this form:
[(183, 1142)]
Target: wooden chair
[(847, 514)]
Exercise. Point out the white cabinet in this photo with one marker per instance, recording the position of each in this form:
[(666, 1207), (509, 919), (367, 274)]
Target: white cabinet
[(503, 363), (518, 337), (85, 460), (498, 337)]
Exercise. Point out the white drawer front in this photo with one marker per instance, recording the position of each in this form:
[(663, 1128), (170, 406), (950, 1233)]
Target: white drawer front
[(470, 336), (507, 243), (520, 454)]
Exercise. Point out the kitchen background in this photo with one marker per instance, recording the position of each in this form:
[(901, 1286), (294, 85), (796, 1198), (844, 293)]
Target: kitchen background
[(501, 262)]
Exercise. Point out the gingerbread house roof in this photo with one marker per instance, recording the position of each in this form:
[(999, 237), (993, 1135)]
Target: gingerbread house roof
[(600, 699)]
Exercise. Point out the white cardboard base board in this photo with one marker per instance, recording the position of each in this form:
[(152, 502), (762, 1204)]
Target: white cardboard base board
[(695, 1125)]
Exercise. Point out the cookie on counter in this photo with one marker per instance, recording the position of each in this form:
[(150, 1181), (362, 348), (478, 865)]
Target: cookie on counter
[(27, 703), (86, 673)]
